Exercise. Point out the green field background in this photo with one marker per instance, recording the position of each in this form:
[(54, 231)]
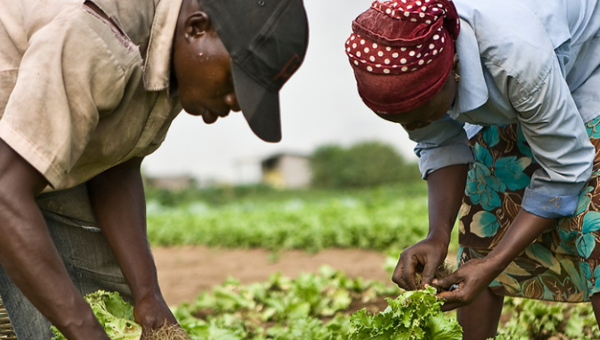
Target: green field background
[(386, 219)]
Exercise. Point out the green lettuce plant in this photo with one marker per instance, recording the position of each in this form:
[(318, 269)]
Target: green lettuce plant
[(414, 315)]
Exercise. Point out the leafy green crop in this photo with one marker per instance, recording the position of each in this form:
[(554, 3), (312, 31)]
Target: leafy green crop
[(370, 219), (534, 319), (320, 307), (311, 307), (314, 307), (414, 315), (113, 313)]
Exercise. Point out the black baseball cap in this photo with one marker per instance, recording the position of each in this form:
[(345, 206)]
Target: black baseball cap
[(267, 41)]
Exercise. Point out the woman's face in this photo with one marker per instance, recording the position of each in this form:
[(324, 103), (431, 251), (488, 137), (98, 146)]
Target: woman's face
[(429, 112)]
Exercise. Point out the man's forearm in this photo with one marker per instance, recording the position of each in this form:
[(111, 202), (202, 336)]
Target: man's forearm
[(29, 256), (117, 197)]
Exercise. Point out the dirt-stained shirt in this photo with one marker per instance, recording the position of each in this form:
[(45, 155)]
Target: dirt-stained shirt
[(84, 87)]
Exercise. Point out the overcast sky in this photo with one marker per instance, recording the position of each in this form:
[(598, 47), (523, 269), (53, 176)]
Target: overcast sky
[(319, 104)]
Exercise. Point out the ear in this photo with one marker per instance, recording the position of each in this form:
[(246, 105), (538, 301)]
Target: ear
[(197, 24), (455, 61)]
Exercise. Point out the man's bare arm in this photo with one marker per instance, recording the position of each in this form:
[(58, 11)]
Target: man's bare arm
[(29, 256), (119, 205)]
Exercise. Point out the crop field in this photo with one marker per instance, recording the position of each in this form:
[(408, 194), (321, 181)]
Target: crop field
[(328, 304), (378, 219)]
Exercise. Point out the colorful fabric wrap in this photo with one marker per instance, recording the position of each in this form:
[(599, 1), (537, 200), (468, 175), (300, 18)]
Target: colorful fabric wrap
[(563, 264), (402, 52)]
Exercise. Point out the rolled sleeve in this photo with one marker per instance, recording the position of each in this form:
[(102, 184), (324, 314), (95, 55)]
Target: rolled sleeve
[(548, 206), (442, 143), (554, 129)]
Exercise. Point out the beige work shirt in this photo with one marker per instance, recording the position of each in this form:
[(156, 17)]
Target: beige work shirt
[(79, 93)]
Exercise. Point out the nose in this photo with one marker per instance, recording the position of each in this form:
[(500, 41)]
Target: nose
[(231, 101)]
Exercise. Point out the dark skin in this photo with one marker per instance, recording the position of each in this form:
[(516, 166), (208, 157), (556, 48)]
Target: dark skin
[(432, 110), (29, 253), (202, 72), (118, 201), (202, 66), (445, 190)]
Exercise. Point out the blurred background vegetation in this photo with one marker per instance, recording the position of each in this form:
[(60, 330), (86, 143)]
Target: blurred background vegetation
[(362, 196), (365, 196), (363, 165)]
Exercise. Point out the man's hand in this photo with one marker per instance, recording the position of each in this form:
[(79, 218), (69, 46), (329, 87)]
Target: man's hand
[(152, 314), (424, 257)]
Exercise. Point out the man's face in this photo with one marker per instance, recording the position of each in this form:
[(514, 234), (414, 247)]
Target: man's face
[(202, 68)]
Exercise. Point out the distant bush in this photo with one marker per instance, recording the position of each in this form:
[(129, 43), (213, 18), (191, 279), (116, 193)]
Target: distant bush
[(364, 164)]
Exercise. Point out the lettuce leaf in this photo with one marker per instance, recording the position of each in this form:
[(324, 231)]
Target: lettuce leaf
[(113, 313), (414, 315)]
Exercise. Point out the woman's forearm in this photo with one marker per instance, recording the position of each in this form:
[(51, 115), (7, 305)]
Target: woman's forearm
[(524, 229), (446, 188)]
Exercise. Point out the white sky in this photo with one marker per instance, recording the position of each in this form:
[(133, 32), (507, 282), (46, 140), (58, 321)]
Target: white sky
[(319, 105)]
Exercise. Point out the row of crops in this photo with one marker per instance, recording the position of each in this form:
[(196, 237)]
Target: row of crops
[(327, 305), (378, 219), (331, 306)]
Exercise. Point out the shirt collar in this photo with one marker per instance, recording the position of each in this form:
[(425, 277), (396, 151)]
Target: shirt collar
[(157, 67), (472, 89)]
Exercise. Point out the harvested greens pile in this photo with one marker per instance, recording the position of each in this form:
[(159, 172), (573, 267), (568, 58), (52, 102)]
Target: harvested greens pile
[(113, 313)]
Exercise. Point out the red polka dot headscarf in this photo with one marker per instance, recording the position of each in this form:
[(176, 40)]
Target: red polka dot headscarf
[(402, 52)]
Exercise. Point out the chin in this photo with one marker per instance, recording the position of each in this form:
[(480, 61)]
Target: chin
[(192, 109), (192, 113)]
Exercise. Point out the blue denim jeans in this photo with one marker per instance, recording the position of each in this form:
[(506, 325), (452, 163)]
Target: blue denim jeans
[(84, 251)]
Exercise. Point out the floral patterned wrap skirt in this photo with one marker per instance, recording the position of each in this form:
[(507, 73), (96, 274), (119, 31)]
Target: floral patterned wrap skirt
[(563, 264)]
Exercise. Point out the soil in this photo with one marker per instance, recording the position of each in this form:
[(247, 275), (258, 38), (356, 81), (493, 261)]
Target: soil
[(185, 272)]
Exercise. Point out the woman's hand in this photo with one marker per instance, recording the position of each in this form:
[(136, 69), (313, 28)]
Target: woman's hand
[(472, 279), (424, 257), (445, 189), (477, 274)]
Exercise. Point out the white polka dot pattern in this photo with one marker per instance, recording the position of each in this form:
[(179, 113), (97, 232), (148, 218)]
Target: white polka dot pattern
[(390, 60), (404, 56)]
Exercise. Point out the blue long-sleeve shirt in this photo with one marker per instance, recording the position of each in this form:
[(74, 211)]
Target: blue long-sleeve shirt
[(535, 62)]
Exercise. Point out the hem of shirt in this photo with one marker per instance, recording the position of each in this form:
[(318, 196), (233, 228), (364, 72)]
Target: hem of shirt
[(33, 155), (444, 156), (549, 206)]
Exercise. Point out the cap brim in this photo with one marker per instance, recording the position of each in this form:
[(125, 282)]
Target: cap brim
[(259, 105)]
